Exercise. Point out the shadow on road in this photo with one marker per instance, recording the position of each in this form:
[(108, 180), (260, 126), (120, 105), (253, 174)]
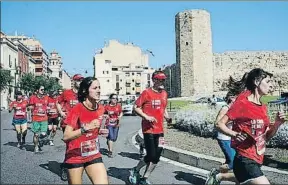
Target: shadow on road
[(119, 173), (135, 156), (52, 166), (189, 177)]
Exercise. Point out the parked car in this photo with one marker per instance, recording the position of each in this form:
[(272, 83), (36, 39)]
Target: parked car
[(128, 109)]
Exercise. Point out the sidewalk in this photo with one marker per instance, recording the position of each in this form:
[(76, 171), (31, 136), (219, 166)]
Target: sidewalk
[(208, 162)]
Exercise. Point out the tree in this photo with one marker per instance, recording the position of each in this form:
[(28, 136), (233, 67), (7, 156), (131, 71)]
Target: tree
[(30, 83), (27, 82), (5, 79)]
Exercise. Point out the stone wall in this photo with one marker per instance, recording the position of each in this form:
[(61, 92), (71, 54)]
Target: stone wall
[(199, 72), (238, 62)]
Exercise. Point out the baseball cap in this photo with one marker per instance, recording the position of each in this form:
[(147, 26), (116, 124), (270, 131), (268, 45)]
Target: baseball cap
[(77, 77), (160, 76)]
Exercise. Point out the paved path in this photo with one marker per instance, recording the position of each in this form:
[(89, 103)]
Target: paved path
[(25, 167)]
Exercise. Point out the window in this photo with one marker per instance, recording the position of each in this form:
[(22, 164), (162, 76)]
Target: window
[(117, 86), (148, 76), (107, 80), (117, 78), (10, 63), (132, 74), (120, 80), (103, 72), (133, 88), (114, 69), (132, 80), (107, 72), (127, 74), (107, 61)]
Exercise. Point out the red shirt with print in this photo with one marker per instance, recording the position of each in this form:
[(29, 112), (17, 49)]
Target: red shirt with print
[(68, 99), (52, 109), (19, 109), (39, 108), (253, 120), (153, 104), (86, 147), (113, 112)]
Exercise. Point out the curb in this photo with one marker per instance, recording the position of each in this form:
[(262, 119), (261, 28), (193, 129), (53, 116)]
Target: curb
[(196, 159)]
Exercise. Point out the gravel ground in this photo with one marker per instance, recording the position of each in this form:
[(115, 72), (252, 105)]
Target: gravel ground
[(208, 146)]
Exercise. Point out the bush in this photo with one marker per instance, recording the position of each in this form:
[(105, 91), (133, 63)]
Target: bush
[(199, 120)]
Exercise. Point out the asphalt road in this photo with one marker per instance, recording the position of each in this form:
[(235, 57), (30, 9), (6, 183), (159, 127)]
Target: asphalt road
[(24, 167)]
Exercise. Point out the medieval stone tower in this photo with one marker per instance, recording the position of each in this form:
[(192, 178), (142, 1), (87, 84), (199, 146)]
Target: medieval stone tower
[(194, 56)]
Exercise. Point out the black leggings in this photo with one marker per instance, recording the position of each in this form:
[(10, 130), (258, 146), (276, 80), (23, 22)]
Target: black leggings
[(153, 151)]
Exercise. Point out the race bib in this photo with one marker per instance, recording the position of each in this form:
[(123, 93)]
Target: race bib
[(90, 147), (260, 144), (52, 111), (19, 113), (40, 112), (161, 142)]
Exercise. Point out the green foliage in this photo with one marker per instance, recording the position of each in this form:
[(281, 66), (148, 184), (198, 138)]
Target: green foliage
[(30, 83), (5, 79), (27, 82)]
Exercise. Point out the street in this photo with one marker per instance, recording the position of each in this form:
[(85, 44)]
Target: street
[(24, 167)]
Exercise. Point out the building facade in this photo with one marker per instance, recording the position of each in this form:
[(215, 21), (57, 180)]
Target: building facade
[(37, 52), (9, 61), (65, 80), (122, 69)]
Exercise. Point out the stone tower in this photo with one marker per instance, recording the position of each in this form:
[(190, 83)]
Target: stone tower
[(194, 56)]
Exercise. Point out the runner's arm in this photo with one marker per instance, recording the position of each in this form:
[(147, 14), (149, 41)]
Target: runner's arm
[(59, 108), (139, 111), (221, 126), (279, 120), (71, 134)]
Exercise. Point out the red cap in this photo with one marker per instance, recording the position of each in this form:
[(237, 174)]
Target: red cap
[(77, 77), (160, 76)]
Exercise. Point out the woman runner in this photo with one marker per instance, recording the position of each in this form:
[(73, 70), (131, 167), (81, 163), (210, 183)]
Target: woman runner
[(251, 128), (114, 113), (19, 118), (81, 136)]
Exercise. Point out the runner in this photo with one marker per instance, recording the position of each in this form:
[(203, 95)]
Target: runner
[(52, 116), (224, 141), (38, 104), (19, 118), (151, 106), (81, 136), (251, 127), (66, 101), (114, 114), (60, 91)]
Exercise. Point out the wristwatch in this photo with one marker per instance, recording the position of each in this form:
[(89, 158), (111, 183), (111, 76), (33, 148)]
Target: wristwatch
[(83, 130)]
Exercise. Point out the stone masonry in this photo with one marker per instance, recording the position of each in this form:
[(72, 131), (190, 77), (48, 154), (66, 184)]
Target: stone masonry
[(200, 72), (194, 51)]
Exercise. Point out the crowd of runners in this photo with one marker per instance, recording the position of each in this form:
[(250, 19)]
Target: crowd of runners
[(243, 127)]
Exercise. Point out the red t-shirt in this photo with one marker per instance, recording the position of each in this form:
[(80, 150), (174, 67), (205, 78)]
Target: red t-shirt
[(52, 109), (40, 108), (252, 119), (86, 147), (68, 99), (19, 109), (113, 113), (153, 104)]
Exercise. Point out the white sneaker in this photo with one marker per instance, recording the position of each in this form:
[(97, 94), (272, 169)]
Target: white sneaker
[(51, 143)]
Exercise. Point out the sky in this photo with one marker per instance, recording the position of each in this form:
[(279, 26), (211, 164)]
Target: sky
[(77, 29)]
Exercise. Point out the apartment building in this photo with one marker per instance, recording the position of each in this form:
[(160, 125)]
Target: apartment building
[(122, 69)]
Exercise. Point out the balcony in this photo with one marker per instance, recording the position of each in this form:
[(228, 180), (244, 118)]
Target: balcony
[(138, 81), (128, 81)]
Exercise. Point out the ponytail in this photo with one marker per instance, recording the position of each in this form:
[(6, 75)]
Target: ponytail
[(236, 87)]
